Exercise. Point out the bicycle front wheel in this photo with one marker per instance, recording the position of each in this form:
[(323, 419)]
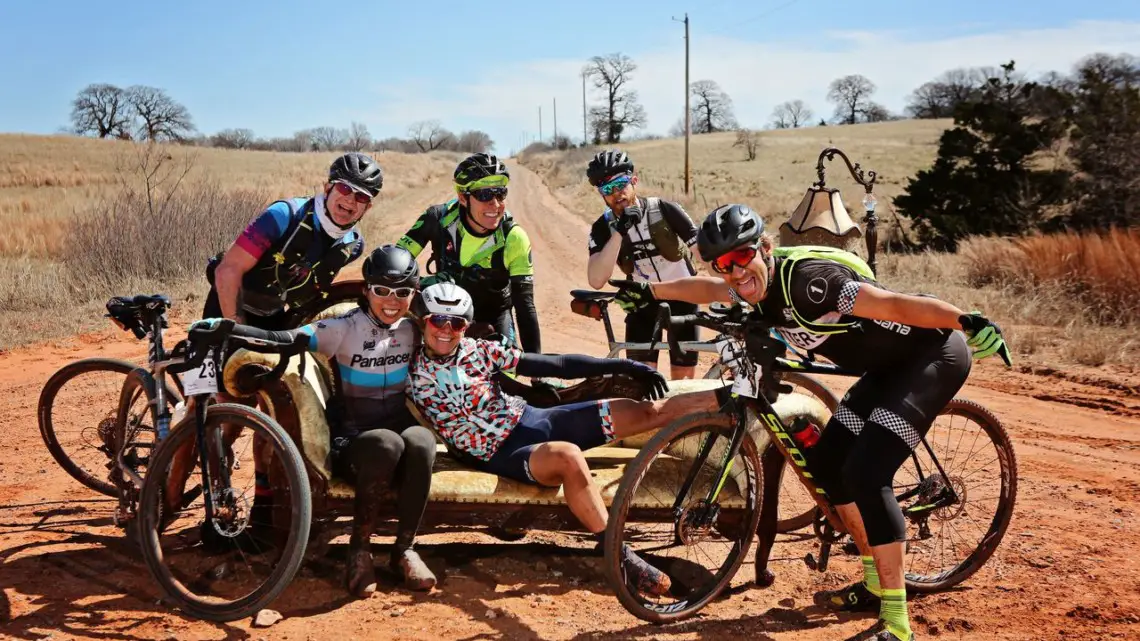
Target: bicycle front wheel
[(954, 527), (229, 564), (662, 511)]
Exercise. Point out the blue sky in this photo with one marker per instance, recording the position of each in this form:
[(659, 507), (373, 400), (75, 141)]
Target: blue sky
[(276, 67)]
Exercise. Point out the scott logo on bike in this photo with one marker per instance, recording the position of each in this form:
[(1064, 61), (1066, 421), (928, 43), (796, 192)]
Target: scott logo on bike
[(378, 361), (789, 444)]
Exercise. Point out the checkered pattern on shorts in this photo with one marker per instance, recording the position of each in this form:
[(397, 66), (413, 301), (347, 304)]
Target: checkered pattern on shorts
[(897, 424), (849, 419)]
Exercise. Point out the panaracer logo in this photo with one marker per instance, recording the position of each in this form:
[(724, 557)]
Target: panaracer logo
[(894, 326), (378, 361)]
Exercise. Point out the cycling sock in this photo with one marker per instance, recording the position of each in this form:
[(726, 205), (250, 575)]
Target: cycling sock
[(871, 576), (893, 613)]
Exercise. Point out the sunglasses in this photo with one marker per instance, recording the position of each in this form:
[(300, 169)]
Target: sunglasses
[(448, 321), (487, 194), (344, 189), (398, 292), (736, 258), (615, 185)]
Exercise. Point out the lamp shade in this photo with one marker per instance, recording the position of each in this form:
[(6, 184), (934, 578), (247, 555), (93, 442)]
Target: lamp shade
[(820, 219)]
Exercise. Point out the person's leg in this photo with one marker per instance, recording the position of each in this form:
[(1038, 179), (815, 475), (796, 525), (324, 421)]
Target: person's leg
[(683, 365), (639, 329), (631, 417), (415, 485), (373, 456)]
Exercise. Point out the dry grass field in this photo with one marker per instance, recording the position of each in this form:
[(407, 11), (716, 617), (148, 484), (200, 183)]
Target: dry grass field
[(67, 222), (1065, 299)]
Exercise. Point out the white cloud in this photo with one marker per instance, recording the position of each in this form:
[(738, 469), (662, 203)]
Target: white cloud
[(756, 75)]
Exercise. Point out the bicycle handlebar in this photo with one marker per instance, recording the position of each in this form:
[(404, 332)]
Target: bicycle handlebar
[(200, 339)]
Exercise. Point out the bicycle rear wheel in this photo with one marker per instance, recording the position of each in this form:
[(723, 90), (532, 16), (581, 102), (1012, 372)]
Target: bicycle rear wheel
[(76, 411), (700, 546), (232, 565), (947, 542)]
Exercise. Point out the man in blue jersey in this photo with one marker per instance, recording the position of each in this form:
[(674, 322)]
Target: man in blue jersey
[(287, 258)]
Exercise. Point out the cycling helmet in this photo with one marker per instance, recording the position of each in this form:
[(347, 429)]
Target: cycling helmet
[(391, 266), (444, 298), (726, 228), (358, 170), (608, 163), (478, 167)]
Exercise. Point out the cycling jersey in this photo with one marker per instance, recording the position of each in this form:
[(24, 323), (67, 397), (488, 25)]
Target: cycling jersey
[(497, 269), (371, 362), (296, 262), (460, 399), (824, 292), (639, 255)]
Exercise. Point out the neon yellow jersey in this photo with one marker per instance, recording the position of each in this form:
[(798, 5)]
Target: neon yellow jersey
[(438, 224)]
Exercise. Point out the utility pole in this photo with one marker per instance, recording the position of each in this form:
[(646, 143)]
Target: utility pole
[(540, 123), (585, 137), (688, 114), (554, 140)]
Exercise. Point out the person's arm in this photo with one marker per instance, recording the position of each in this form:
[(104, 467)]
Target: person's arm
[(582, 366), (326, 336), (518, 257), (694, 289), (418, 237), (917, 311), (604, 248), (257, 238), (679, 222)]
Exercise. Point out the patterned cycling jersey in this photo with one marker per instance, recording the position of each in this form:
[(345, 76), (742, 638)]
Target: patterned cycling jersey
[(461, 400), (371, 360), (824, 292)]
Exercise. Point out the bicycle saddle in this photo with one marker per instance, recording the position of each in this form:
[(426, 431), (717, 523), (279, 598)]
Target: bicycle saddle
[(589, 294)]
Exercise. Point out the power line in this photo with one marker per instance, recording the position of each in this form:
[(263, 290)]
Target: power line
[(740, 23)]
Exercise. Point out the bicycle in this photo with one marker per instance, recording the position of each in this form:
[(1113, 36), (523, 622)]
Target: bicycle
[(930, 495), (197, 562), (77, 431), (798, 505)]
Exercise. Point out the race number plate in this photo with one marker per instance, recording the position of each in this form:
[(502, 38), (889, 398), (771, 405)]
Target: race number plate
[(202, 380), (745, 374)]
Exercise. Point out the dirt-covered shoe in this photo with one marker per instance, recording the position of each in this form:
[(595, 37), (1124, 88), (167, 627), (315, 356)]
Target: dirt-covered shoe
[(642, 575), (879, 632), (361, 575), (417, 575), (853, 598)]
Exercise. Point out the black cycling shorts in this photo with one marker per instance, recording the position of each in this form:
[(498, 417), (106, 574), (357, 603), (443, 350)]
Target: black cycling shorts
[(587, 424), (639, 329)]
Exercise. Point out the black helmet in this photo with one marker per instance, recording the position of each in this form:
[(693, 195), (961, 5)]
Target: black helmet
[(478, 166), (358, 170), (726, 228), (391, 266), (608, 163)]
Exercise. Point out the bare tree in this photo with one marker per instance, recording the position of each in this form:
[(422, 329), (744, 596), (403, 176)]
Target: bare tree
[(851, 95), (429, 135), (358, 138), (748, 139), (712, 108), (678, 128), (611, 74), (233, 139), (162, 118), (791, 114), (877, 113), (102, 110), (329, 138), (473, 142)]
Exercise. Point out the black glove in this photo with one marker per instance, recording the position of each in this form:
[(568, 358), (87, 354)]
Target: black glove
[(627, 220), (646, 376), (633, 295)]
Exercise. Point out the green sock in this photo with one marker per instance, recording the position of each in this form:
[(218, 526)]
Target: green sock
[(871, 576), (893, 613)]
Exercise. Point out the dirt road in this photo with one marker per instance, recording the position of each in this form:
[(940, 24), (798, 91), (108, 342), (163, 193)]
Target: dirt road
[(1068, 567)]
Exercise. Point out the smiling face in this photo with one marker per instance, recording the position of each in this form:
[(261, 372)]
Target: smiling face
[(441, 341), (389, 308), (485, 216), (344, 204)]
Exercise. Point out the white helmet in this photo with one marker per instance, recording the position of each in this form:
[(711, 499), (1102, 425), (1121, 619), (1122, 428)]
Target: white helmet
[(445, 298)]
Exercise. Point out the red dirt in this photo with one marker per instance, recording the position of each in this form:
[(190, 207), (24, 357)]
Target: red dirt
[(1067, 568)]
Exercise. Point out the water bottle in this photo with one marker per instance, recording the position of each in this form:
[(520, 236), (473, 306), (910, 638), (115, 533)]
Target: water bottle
[(805, 432)]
